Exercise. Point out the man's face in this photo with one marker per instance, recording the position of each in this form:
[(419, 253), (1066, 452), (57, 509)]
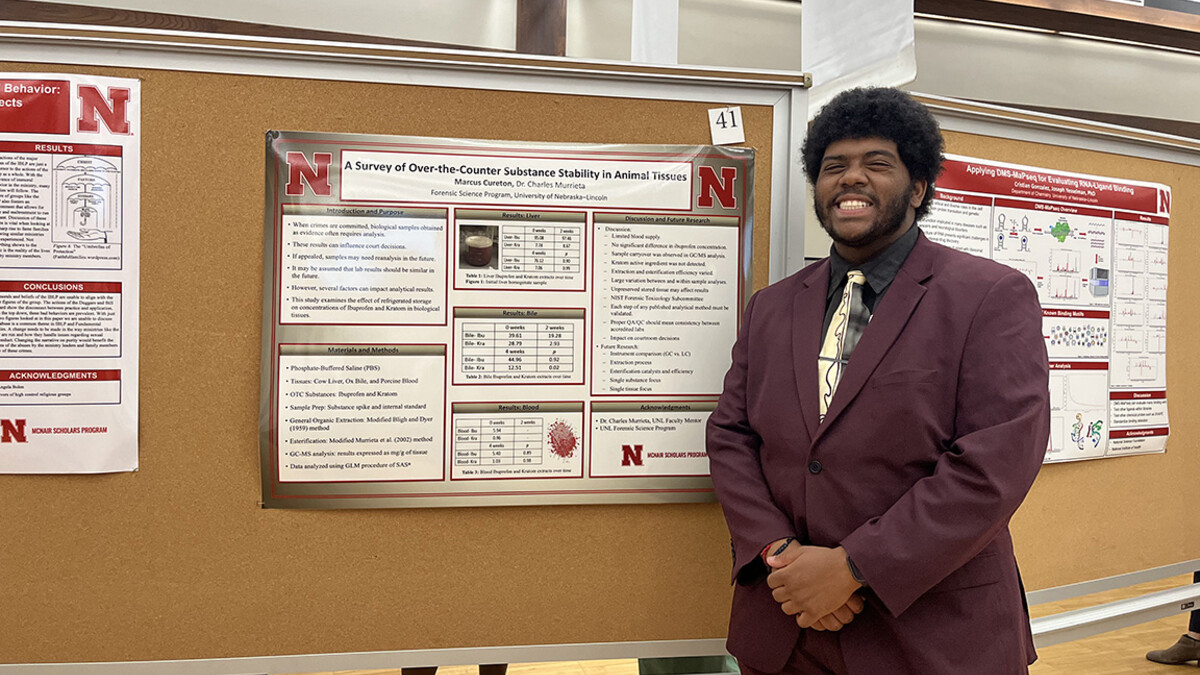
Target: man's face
[(864, 196)]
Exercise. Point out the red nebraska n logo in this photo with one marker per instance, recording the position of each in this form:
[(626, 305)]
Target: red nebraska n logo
[(93, 107), (631, 454), (13, 431), (721, 188), (300, 170)]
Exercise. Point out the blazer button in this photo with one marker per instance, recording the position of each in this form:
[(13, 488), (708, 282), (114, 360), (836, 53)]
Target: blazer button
[(814, 467)]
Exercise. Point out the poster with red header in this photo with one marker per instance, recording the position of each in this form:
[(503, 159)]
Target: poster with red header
[(462, 322), (69, 261), (1096, 250)]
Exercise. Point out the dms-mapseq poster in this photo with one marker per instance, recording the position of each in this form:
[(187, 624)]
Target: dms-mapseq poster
[(69, 257), (1096, 249), (455, 322)]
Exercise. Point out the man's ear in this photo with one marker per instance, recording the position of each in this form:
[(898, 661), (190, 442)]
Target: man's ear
[(919, 189)]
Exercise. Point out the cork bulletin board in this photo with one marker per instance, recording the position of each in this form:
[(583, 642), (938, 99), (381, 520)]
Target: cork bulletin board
[(179, 561), (1088, 520)]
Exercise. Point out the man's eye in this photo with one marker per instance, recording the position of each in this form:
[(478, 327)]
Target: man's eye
[(831, 167)]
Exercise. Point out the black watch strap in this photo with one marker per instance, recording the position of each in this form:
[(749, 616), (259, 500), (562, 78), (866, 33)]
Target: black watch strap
[(854, 571)]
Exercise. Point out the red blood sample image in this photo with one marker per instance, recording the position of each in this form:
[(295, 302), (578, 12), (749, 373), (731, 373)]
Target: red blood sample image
[(562, 439)]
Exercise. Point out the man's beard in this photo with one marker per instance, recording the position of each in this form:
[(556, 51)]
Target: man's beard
[(891, 217)]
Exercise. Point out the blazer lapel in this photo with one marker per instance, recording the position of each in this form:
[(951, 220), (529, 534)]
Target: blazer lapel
[(885, 327), (808, 313)]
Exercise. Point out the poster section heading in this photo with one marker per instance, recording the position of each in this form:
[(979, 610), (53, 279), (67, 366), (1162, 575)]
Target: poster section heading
[(461, 324), (1095, 248)]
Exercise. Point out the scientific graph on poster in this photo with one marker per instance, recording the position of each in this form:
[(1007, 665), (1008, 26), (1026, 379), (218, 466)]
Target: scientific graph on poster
[(1096, 250)]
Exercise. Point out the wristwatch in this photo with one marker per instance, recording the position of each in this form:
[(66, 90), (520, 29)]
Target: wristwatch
[(854, 571)]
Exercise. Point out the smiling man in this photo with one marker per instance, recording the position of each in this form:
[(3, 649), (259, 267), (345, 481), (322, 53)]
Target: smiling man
[(886, 412)]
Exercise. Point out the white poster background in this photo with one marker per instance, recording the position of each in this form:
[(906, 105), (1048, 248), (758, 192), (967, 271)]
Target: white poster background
[(1095, 249), (70, 161)]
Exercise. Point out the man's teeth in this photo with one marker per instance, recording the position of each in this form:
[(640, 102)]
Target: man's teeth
[(851, 204)]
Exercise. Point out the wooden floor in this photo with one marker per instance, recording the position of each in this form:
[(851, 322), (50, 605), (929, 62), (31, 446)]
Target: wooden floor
[(1116, 653)]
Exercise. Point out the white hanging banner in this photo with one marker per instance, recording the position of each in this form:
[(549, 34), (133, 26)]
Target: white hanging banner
[(654, 36), (853, 43), (69, 259)]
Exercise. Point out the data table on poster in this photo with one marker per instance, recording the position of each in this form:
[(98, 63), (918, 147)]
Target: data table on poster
[(540, 439), (514, 344), (540, 248), (539, 347), (500, 440)]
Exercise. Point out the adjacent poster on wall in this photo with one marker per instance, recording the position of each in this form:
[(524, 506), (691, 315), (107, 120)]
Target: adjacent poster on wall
[(69, 259), (1096, 249), (463, 322)]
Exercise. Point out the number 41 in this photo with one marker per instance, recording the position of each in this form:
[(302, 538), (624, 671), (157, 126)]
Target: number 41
[(726, 119)]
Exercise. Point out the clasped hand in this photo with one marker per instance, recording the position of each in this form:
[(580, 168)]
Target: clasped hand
[(814, 584)]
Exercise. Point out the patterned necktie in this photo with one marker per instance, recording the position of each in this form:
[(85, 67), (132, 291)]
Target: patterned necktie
[(845, 329)]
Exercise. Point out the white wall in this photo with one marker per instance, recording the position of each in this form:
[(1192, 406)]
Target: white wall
[(479, 23), (599, 29), (759, 34), (953, 59), (994, 64)]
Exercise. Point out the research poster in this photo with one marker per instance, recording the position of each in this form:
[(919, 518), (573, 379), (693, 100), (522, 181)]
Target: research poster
[(69, 258), (462, 322), (1096, 250)]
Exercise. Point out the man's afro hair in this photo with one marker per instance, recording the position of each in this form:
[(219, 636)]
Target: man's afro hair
[(879, 112)]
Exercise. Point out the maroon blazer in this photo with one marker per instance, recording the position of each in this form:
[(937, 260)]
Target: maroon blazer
[(932, 439)]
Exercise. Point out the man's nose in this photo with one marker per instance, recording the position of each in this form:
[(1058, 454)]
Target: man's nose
[(854, 174)]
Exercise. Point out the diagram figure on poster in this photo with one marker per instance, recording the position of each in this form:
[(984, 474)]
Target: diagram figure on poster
[(1093, 432), (85, 217), (1061, 230), (1022, 224)]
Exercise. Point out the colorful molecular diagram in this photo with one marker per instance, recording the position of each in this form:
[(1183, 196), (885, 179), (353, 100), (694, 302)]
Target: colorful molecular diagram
[(1061, 230), (1082, 432)]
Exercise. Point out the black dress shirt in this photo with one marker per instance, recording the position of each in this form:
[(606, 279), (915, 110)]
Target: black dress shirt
[(880, 270)]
